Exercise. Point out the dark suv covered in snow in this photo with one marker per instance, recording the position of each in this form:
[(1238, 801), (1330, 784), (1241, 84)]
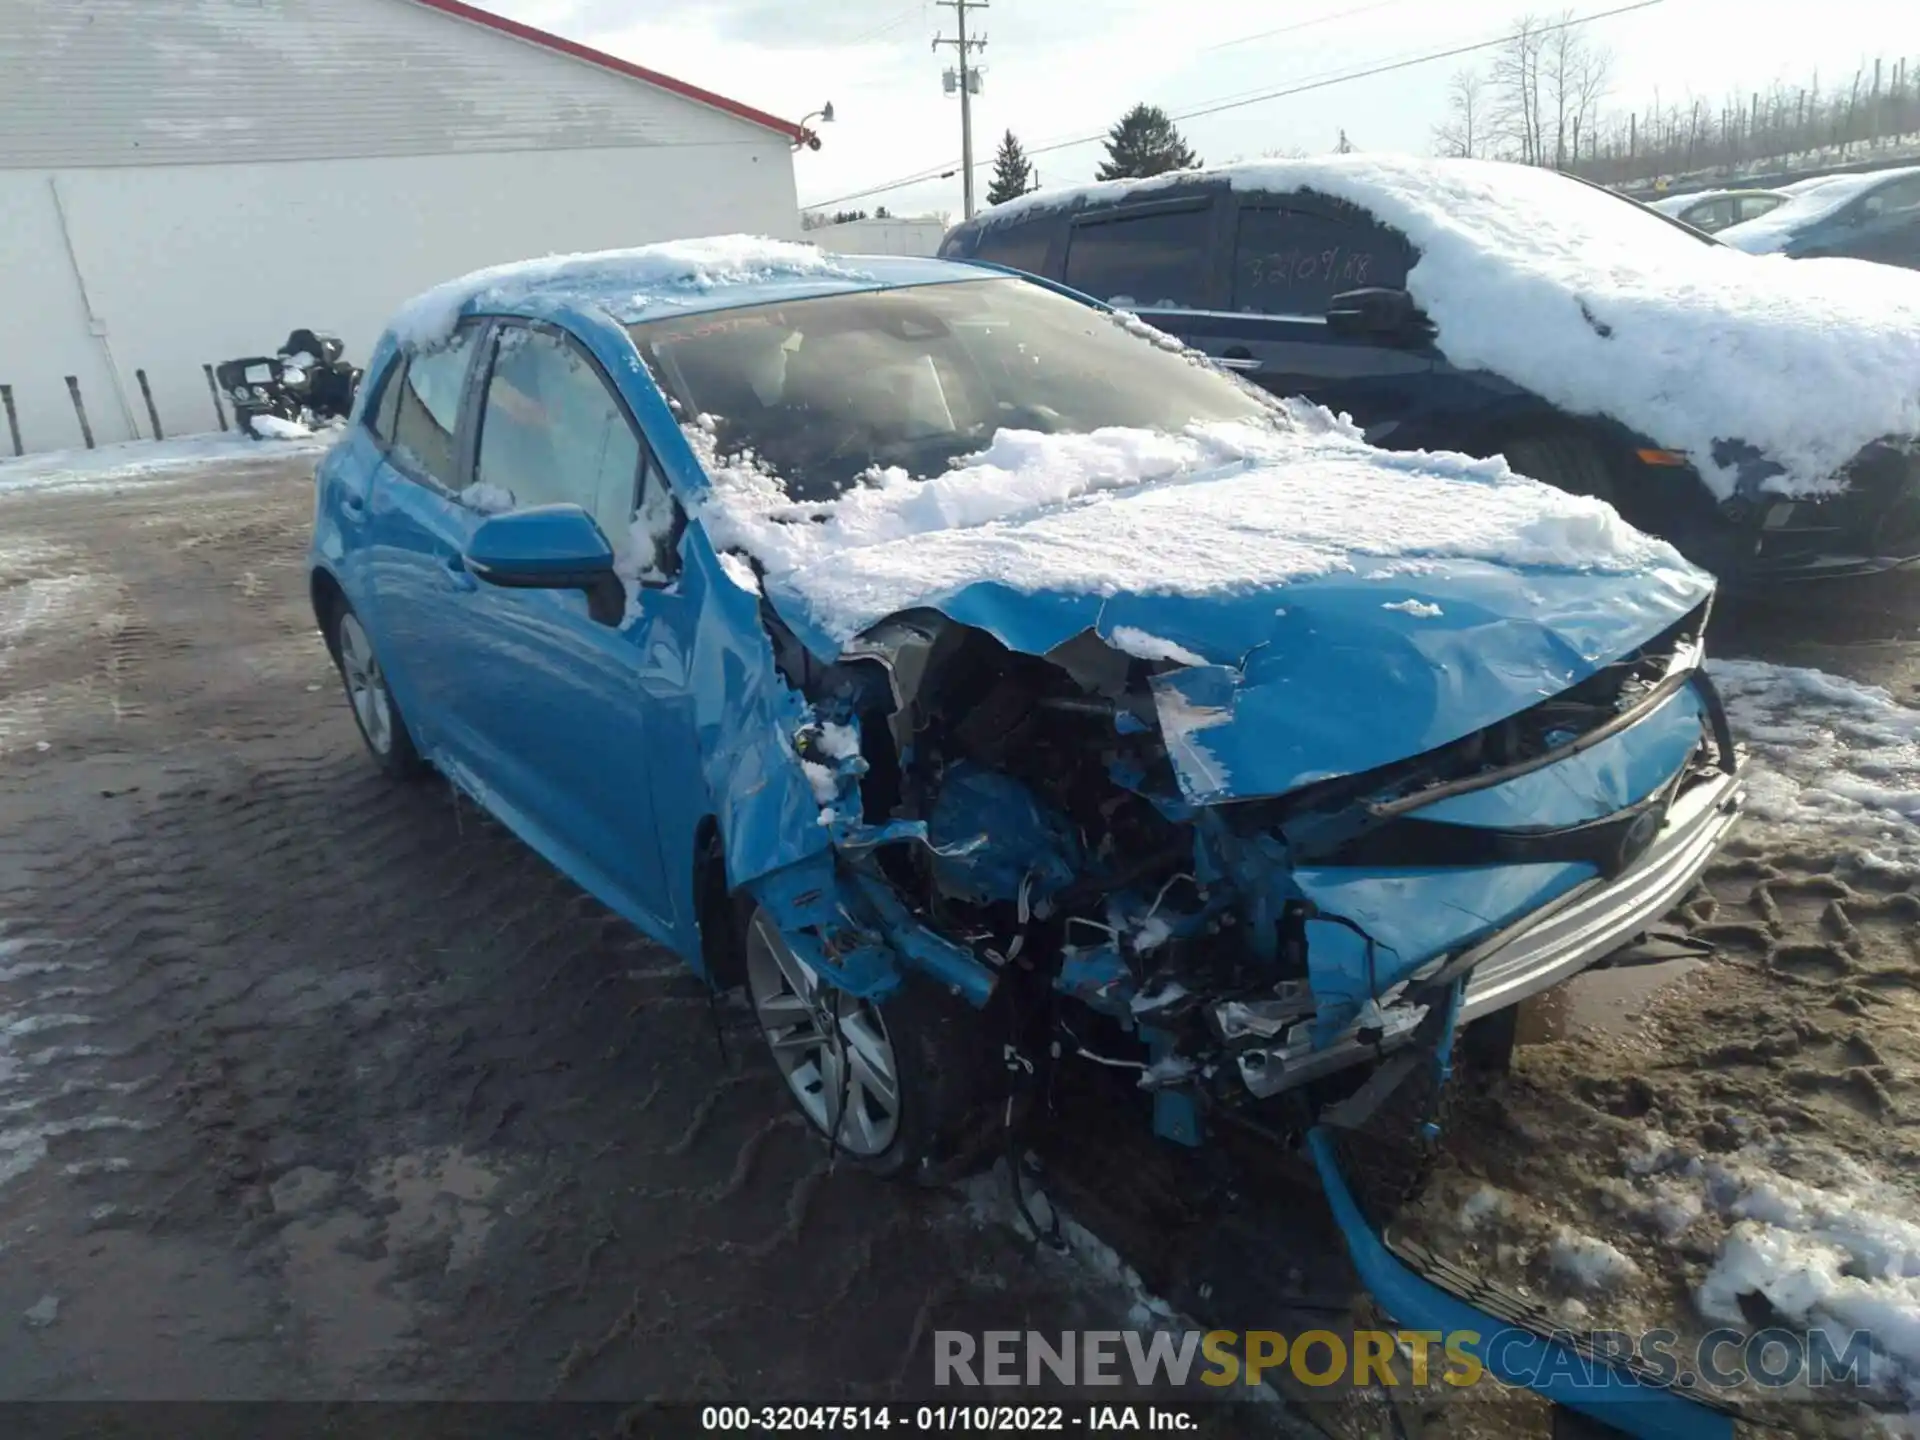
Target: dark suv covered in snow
[(1760, 416)]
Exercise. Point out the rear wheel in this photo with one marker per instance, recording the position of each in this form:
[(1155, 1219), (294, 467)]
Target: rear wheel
[(889, 1084), (1566, 462), (375, 713)]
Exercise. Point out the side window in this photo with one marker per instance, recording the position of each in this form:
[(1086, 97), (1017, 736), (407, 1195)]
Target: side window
[(1155, 261), (384, 400), (1023, 246), (551, 431), (657, 527), (1292, 262), (1895, 199), (1714, 215), (427, 409), (1755, 206)]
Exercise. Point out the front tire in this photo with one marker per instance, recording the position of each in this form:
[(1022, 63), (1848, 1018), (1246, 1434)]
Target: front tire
[(375, 712), (891, 1085)]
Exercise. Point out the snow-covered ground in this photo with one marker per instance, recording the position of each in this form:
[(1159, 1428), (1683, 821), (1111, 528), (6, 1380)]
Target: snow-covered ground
[(1829, 755), (144, 460)]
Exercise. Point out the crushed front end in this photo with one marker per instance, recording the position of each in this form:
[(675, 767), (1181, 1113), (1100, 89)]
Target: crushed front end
[(1118, 845)]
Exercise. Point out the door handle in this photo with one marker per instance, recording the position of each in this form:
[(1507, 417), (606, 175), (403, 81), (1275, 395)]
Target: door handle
[(457, 572)]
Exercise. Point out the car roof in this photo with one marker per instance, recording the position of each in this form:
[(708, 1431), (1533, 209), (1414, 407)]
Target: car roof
[(674, 278), (881, 272)]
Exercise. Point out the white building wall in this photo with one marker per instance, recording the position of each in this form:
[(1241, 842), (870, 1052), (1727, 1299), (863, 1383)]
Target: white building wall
[(880, 237), (173, 82), (191, 265)]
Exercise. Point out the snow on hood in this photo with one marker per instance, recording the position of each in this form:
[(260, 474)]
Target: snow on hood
[(1220, 508), (1767, 233), (647, 273), (1603, 309)]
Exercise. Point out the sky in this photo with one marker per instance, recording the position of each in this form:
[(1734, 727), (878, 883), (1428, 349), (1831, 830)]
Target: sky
[(1058, 70)]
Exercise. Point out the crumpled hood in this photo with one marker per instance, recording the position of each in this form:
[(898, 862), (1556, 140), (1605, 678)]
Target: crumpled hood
[(1336, 607), (1336, 675)]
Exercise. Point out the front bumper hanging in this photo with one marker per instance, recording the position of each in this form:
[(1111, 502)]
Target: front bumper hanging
[(1516, 1347)]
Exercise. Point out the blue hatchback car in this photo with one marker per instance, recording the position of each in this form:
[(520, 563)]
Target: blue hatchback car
[(979, 677)]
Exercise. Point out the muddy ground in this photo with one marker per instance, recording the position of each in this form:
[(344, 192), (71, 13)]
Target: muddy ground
[(312, 1087)]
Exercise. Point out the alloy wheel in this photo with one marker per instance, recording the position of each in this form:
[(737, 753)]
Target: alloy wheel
[(366, 685), (833, 1050)]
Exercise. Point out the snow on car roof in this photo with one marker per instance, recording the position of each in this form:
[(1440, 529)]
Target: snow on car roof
[(1766, 233), (675, 276), (1603, 309), (1222, 507)]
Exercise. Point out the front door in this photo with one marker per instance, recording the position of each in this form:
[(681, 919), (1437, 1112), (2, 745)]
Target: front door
[(553, 696), (1889, 226), (1290, 256)]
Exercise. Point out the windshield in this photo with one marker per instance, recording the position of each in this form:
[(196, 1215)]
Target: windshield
[(826, 389)]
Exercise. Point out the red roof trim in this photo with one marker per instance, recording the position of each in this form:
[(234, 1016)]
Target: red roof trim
[(550, 41)]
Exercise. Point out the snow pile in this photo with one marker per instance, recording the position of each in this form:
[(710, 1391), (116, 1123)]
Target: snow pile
[(1142, 646), (1828, 752), (1767, 233), (273, 427), (648, 274), (1589, 1263), (1217, 508), (144, 460), (1589, 301)]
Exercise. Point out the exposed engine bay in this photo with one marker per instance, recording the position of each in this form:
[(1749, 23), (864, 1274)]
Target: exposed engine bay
[(1026, 810)]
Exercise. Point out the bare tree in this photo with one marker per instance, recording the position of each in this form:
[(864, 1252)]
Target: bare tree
[(1463, 132), (1515, 77), (1573, 72)]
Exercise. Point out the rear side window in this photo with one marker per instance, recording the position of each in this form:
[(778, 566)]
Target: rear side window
[(1152, 261), (1023, 247), (386, 407), (1754, 206), (427, 410), (1293, 261), (552, 431), (1896, 199)]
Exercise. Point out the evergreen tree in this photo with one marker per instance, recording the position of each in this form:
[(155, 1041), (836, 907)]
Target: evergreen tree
[(1145, 142), (1012, 173), (1345, 147)]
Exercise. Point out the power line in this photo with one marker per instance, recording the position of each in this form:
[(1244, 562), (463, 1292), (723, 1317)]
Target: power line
[(1232, 103), (1306, 24), (886, 25)]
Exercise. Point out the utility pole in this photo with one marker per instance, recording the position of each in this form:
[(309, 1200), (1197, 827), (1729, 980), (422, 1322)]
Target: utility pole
[(968, 84)]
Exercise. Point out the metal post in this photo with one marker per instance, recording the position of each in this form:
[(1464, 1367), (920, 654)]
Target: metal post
[(80, 409), (146, 392), (213, 389), (13, 419)]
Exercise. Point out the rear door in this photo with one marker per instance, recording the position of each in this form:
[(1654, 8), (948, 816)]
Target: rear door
[(1291, 254), (417, 531)]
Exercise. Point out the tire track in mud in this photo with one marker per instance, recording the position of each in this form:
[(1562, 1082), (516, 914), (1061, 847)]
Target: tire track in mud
[(354, 1081)]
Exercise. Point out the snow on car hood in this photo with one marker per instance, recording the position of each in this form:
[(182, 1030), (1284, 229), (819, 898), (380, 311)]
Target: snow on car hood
[(1767, 233), (1354, 606), (1595, 305)]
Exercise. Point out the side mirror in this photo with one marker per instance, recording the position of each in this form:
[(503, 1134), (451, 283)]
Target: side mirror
[(549, 547), (1377, 311)]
